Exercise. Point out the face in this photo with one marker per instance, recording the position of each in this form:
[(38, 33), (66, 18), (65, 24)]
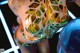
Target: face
[(41, 18)]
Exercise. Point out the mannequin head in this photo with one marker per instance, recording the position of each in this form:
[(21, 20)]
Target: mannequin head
[(69, 39), (40, 18)]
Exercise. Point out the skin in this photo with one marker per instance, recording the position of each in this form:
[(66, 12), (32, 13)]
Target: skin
[(18, 36), (20, 13), (19, 10)]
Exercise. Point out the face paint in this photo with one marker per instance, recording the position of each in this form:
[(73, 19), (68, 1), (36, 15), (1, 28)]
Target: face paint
[(40, 18)]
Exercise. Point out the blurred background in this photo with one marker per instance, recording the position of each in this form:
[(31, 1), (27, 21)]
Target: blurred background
[(8, 25)]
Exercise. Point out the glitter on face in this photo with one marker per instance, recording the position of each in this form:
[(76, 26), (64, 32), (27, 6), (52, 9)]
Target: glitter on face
[(46, 17)]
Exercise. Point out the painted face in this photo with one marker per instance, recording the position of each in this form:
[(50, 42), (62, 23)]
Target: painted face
[(41, 18)]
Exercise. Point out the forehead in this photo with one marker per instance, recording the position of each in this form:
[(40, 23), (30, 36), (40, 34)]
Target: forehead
[(17, 4)]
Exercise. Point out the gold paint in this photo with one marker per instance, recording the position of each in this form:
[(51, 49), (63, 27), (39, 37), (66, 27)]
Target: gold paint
[(37, 21), (55, 8), (64, 18), (33, 17), (33, 28), (64, 10), (49, 12), (38, 13), (42, 8), (30, 11), (52, 19), (58, 20), (44, 21), (27, 17), (46, 3), (40, 0), (34, 5)]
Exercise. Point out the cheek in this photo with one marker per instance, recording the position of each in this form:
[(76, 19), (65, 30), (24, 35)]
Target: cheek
[(22, 15)]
